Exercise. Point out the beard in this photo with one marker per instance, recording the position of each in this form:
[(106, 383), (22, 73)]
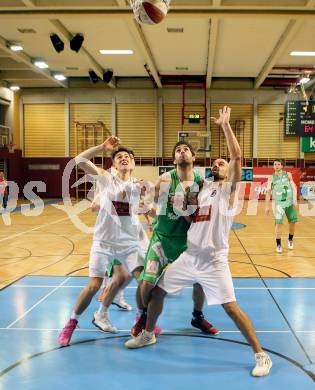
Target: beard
[(216, 176), (183, 163)]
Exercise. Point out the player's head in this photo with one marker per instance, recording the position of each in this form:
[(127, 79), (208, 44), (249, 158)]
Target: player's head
[(1, 175), (220, 169), (123, 159), (183, 154), (278, 165)]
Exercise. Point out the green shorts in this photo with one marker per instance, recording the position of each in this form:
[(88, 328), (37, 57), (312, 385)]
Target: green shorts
[(162, 251), (290, 212), (110, 268)]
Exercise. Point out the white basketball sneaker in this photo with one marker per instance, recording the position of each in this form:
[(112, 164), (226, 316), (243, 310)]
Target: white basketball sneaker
[(279, 249), (290, 244), (120, 302), (142, 340), (102, 323), (263, 364)]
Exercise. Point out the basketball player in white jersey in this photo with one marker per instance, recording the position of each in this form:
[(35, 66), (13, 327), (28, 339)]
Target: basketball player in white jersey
[(116, 234), (206, 259)]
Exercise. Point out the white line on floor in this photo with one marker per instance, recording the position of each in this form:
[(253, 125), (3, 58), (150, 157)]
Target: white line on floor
[(134, 287), (36, 304), (33, 229), (164, 331)]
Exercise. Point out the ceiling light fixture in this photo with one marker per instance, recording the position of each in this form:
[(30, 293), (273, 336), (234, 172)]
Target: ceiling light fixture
[(303, 53), (40, 64), (116, 52), (15, 47), (60, 77)]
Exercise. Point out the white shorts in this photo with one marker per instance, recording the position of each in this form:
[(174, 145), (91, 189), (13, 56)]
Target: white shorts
[(102, 255), (213, 274)]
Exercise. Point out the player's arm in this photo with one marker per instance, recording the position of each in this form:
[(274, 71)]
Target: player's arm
[(151, 196), (235, 164), (95, 205), (294, 189), (161, 190), (82, 159), (268, 196)]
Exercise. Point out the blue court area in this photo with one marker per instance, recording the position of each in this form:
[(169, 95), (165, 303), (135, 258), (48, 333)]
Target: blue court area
[(34, 309)]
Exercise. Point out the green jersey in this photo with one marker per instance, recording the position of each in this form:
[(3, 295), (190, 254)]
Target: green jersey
[(169, 223), (281, 189)]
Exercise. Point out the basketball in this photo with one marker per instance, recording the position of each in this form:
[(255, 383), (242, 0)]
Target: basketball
[(152, 12)]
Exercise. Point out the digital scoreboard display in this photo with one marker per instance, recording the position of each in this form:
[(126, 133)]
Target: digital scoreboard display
[(299, 119), (194, 118)]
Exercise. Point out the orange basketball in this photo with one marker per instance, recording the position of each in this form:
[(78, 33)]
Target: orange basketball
[(152, 11)]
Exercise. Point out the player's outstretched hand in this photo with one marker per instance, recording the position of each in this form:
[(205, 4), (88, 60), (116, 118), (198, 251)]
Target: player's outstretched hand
[(111, 143), (224, 117)]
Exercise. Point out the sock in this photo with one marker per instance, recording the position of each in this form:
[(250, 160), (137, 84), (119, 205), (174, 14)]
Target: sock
[(142, 311), (147, 333), (291, 237), (102, 310), (105, 282), (75, 316), (198, 315), (278, 241)]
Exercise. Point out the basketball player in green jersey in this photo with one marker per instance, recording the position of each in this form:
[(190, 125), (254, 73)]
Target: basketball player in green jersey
[(284, 195), (180, 187)]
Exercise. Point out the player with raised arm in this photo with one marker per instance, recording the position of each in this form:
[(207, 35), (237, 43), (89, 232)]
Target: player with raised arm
[(206, 259), (116, 234)]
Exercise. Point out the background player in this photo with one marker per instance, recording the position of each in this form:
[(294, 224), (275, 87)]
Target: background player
[(284, 198)]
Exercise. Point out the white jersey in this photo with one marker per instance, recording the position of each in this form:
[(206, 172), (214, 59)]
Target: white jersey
[(212, 221), (116, 224)]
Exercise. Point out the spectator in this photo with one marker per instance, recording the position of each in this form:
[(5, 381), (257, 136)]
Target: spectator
[(3, 190)]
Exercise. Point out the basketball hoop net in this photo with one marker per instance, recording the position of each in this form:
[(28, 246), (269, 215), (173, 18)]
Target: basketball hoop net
[(136, 6)]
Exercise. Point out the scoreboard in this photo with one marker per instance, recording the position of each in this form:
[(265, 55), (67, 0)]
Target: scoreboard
[(299, 119)]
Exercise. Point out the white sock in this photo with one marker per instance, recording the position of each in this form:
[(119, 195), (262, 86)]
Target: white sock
[(148, 334), (139, 312), (105, 282), (102, 310), (75, 316)]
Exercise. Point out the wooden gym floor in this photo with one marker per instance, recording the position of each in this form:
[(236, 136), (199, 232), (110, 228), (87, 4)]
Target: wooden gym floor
[(50, 244)]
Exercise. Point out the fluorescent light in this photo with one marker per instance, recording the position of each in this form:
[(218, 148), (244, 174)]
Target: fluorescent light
[(16, 47), (303, 53), (60, 77), (304, 80), (41, 64), (103, 51), (14, 87)]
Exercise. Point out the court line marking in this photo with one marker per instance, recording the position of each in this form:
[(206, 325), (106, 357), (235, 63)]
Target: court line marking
[(163, 331), (293, 332), (33, 229), (36, 304), (269, 237), (134, 287)]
